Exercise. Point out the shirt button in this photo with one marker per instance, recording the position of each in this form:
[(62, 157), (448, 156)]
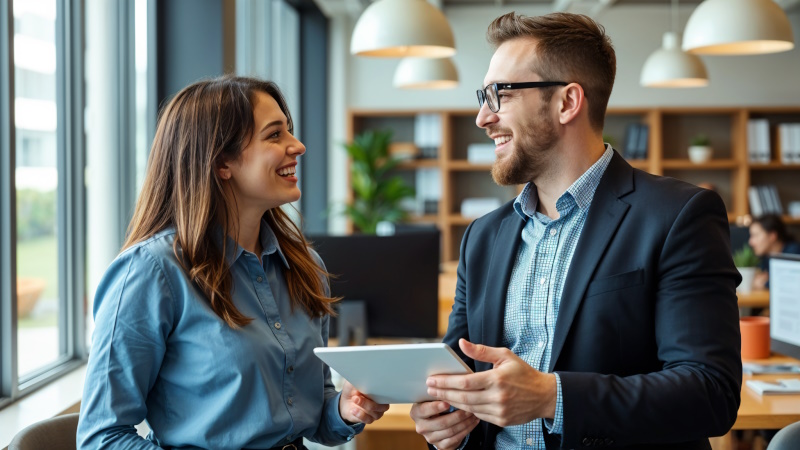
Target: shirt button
[(290, 369), (553, 232), (259, 279), (278, 325), (529, 441), (540, 344), (289, 401), (542, 281)]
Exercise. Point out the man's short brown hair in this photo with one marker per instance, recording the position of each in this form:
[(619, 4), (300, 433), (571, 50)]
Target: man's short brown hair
[(570, 47)]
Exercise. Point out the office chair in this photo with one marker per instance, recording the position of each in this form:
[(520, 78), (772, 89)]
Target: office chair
[(788, 438), (57, 433)]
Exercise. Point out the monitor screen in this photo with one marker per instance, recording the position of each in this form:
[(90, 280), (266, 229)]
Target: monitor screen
[(397, 278), (784, 304)]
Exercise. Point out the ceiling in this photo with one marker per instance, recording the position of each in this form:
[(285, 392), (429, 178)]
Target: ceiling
[(591, 7), (543, 2)]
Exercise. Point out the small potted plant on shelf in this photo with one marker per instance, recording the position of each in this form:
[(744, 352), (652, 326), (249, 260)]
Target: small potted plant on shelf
[(700, 149), (746, 261), (376, 194)]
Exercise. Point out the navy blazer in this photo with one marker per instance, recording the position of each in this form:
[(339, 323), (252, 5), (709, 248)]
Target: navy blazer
[(647, 341)]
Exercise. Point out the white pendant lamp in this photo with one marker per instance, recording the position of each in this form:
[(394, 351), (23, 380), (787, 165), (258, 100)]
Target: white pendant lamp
[(738, 27), (670, 67), (401, 28), (426, 73)]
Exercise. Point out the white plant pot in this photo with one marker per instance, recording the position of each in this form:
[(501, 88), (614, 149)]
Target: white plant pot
[(699, 154), (748, 274)]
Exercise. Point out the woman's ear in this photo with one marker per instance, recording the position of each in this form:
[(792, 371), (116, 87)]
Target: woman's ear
[(223, 171)]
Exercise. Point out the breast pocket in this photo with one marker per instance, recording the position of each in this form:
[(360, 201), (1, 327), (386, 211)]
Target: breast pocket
[(616, 282)]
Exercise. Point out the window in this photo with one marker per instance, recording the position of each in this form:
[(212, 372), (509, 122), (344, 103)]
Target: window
[(46, 200)]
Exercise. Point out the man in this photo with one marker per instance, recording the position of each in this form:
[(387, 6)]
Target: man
[(599, 307)]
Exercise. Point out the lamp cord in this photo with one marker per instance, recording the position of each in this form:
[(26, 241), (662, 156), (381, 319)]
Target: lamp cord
[(675, 16)]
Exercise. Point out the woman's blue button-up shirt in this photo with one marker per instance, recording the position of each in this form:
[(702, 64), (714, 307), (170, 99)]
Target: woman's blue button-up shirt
[(160, 353)]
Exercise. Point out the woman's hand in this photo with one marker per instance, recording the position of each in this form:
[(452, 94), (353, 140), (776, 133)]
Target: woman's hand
[(355, 407)]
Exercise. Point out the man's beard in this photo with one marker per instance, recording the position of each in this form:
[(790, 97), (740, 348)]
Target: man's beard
[(530, 152)]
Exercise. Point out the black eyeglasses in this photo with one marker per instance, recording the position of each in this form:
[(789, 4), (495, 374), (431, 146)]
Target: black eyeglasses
[(489, 93)]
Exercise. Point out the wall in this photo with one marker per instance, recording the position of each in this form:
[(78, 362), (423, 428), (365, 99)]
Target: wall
[(635, 30)]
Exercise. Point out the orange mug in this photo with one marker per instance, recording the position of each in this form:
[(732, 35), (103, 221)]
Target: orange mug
[(755, 337)]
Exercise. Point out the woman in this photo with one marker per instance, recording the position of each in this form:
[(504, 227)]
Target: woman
[(768, 236), (206, 322)]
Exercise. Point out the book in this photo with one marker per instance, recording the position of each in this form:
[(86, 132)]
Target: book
[(631, 141), (760, 369), (785, 386), (756, 208), (641, 147)]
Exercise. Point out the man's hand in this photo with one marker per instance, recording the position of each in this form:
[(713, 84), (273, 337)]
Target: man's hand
[(445, 431), (355, 407), (511, 393)]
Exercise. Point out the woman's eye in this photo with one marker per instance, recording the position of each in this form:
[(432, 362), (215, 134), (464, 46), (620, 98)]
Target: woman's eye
[(275, 135)]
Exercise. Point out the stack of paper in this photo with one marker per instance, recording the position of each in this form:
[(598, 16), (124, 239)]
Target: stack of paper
[(789, 386)]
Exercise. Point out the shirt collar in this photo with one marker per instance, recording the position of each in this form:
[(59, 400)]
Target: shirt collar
[(582, 190), (269, 244)]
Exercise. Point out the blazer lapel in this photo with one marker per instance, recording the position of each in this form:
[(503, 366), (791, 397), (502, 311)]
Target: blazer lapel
[(499, 272), (605, 214)]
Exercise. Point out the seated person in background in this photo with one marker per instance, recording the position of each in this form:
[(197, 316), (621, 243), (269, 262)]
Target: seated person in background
[(206, 322), (768, 236)]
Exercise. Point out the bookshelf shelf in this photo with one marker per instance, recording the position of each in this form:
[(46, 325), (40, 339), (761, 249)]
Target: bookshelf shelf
[(458, 219), (466, 166), (425, 218), (774, 166), (426, 163), (789, 220), (686, 164), (669, 132)]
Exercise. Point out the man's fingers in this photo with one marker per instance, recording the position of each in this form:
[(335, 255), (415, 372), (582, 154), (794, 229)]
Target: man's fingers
[(428, 409), (469, 382), (479, 352), (453, 436), (462, 398)]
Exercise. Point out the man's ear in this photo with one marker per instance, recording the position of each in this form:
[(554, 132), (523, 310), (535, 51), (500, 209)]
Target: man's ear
[(572, 100)]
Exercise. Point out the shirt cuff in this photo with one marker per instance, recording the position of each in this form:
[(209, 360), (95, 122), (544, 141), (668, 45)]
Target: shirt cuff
[(340, 427), (556, 426)]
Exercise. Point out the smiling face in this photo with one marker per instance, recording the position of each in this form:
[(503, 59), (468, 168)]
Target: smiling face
[(525, 129), (264, 175)]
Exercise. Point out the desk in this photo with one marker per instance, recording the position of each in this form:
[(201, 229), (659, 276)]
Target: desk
[(755, 299), (767, 411)]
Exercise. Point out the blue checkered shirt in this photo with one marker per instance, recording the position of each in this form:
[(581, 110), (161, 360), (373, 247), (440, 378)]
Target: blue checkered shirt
[(536, 285)]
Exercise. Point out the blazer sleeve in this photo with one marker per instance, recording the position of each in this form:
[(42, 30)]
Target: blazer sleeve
[(697, 337)]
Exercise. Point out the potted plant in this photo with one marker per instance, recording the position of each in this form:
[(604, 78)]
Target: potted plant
[(700, 149), (746, 261), (376, 194)]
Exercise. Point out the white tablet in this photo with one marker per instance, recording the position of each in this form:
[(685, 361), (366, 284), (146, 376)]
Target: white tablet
[(393, 373)]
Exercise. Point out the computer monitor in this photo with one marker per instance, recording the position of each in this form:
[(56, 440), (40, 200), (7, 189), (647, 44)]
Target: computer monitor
[(396, 277), (784, 304), (739, 237)]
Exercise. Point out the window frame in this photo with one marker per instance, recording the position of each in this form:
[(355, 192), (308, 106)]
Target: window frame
[(70, 203)]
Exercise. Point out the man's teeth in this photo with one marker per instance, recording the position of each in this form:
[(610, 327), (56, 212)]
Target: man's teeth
[(501, 140), (286, 171)]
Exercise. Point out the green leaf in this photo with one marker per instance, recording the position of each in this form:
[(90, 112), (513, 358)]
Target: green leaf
[(376, 193)]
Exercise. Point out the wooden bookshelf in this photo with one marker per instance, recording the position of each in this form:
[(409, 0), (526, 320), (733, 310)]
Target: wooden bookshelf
[(669, 133)]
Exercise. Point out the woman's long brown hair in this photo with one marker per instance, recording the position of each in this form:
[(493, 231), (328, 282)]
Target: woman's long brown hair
[(204, 125)]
